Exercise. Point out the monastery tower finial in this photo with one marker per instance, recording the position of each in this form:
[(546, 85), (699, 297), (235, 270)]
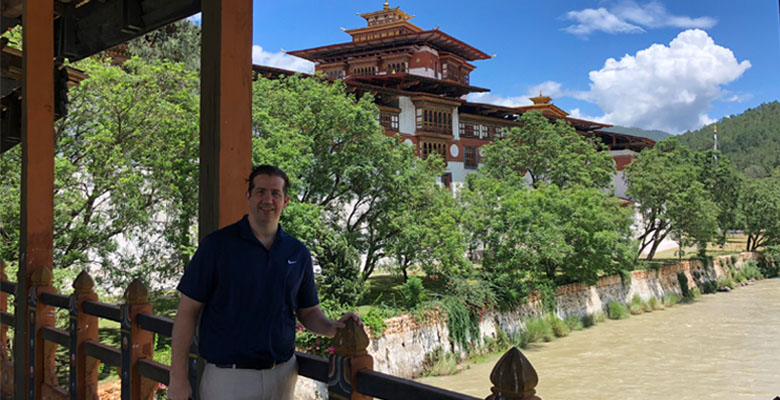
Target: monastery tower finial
[(387, 5)]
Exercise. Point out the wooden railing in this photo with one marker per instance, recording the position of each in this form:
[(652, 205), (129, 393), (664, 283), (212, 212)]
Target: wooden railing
[(351, 376)]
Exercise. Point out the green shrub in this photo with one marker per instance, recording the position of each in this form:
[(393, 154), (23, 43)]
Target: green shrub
[(625, 277), (376, 316), (695, 294), (724, 281), (617, 310), (635, 305), (440, 363), (709, 287), (502, 339), (686, 292), (751, 271), (459, 323), (588, 320), (601, 317), (654, 304), (670, 299), (770, 261), (559, 327), (574, 322), (734, 260), (739, 277), (521, 339), (412, 292), (537, 329)]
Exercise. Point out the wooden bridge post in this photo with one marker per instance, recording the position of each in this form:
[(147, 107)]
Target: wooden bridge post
[(83, 327), (43, 374), (6, 366), (349, 356), (513, 378), (137, 344)]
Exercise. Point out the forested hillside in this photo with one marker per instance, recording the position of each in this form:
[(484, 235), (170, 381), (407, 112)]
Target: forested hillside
[(750, 140), (652, 134)]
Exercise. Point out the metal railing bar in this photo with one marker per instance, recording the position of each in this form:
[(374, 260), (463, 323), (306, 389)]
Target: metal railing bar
[(56, 300), (8, 287), (383, 386), (107, 354), (312, 366), (55, 335), (102, 310), (155, 323), (154, 370), (7, 318)]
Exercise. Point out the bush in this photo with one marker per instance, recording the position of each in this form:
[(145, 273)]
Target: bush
[(559, 327), (770, 261), (670, 300), (601, 317), (724, 281), (625, 277), (459, 323), (412, 292), (709, 287), (537, 329), (574, 322), (439, 363), (635, 305), (654, 304), (588, 320), (686, 292), (340, 278), (502, 339), (695, 294), (617, 310), (751, 271)]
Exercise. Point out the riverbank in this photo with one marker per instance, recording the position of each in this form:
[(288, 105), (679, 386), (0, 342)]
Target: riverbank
[(721, 346)]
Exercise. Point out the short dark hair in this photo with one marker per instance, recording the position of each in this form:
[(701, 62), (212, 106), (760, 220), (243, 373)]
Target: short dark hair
[(269, 170)]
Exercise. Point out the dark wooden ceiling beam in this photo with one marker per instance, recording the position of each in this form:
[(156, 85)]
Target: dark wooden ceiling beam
[(97, 26)]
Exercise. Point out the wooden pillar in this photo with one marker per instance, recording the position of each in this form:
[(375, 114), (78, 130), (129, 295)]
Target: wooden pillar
[(35, 243), (83, 327), (513, 378), (6, 366), (349, 356), (137, 344), (225, 112)]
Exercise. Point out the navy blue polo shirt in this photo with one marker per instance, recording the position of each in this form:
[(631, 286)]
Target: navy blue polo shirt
[(249, 294)]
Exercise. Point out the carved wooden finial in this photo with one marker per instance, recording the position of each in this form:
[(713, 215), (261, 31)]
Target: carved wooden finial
[(42, 277), (351, 340), (513, 377), (136, 293), (83, 283)]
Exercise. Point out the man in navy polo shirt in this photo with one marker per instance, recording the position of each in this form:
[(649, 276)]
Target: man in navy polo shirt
[(250, 280)]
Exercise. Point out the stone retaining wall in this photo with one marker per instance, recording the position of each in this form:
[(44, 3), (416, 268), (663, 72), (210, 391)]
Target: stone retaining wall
[(405, 343)]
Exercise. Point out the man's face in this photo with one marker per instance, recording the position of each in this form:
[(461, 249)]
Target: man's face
[(267, 199)]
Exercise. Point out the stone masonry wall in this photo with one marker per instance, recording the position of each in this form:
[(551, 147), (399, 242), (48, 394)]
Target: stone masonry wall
[(403, 346)]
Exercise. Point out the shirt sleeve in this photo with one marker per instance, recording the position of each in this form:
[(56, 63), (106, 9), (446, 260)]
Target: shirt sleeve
[(198, 280), (307, 293)]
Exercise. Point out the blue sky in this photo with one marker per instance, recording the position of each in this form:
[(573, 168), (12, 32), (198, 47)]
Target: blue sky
[(670, 65)]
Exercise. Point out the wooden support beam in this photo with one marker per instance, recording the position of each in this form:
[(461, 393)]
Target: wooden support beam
[(37, 208), (225, 112)]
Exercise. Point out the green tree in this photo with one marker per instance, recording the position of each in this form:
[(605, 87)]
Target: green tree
[(551, 152), (724, 184), (664, 182), (349, 178), (125, 173), (760, 207), (178, 42), (549, 235)]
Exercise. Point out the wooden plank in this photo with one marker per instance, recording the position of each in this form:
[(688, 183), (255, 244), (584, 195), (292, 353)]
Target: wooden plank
[(37, 215), (226, 114)]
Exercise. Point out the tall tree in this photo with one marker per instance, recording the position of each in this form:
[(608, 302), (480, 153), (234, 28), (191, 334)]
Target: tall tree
[(551, 152), (177, 42), (125, 173), (348, 178), (760, 207), (664, 182)]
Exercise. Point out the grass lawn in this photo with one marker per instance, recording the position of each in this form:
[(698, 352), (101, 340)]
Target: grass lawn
[(734, 244)]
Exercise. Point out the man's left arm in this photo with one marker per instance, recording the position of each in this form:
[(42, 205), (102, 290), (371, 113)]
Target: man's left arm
[(315, 320)]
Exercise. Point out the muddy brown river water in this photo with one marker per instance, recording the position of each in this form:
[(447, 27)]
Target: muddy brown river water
[(724, 346)]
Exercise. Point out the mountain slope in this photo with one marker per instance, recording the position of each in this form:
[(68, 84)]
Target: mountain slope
[(750, 140)]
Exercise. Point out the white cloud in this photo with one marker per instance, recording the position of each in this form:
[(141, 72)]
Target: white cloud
[(590, 20), (489, 98), (630, 17), (665, 87), (280, 60)]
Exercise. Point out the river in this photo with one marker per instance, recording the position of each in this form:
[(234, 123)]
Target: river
[(723, 346)]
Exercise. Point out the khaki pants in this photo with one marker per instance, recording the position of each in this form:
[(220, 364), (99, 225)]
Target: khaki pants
[(250, 384)]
